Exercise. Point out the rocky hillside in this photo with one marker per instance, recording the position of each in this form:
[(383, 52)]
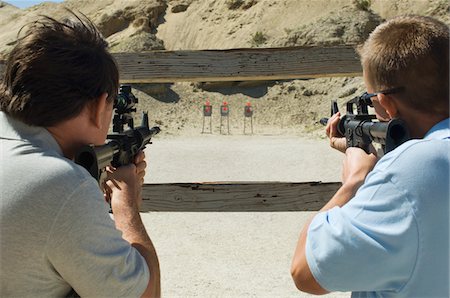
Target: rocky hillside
[(280, 107), (129, 25), (221, 24)]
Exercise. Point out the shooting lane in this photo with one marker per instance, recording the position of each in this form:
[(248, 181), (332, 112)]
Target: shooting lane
[(235, 238), (209, 243)]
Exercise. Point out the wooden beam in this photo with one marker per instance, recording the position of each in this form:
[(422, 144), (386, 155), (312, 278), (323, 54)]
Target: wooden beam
[(237, 197), (238, 64), (251, 64)]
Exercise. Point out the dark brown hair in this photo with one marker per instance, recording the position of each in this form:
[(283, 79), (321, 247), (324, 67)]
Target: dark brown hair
[(55, 69), (410, 52)]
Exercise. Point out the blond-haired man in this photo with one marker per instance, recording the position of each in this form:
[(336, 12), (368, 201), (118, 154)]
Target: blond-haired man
[(385, 233)]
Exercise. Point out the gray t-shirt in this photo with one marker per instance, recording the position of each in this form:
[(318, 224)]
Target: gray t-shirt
[(56, 232)]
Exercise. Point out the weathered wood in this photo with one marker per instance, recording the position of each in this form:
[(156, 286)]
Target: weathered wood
[(238, 64), (237, 197)]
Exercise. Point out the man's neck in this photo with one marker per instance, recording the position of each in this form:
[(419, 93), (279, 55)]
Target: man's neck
[(71, 135), (420, 123)]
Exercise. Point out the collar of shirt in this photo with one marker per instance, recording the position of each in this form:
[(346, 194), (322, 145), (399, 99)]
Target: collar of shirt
[(439, 131), (12, 129)]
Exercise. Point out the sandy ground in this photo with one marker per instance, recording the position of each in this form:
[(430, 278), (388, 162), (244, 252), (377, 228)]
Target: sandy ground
[(227, 254), (232, 254), (208, 158)]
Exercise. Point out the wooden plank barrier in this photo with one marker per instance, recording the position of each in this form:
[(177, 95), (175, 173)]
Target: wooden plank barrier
[(236, 65), (250, 64), (237, 196)]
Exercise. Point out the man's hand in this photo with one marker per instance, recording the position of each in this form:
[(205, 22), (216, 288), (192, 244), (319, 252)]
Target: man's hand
[(357, 164), (123, 188), (337, 141)]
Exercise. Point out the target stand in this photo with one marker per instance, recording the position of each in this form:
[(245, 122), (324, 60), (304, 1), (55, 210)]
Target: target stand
[(248, 117), (224, 116), (207, 113)]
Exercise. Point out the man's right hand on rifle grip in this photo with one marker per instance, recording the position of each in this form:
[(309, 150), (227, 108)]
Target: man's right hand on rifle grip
[(123, 188), (337, 141)]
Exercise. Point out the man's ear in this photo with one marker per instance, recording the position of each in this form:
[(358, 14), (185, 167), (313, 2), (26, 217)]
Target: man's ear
[(98, 108), (389, 104)]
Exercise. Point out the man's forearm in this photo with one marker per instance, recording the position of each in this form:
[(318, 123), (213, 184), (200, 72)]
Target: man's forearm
[(133, 231), (342, 196)]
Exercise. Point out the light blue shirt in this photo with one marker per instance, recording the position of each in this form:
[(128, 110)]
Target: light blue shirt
[(392, 238)]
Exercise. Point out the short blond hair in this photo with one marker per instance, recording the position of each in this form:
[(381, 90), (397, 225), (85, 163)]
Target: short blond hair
[(410, 52)]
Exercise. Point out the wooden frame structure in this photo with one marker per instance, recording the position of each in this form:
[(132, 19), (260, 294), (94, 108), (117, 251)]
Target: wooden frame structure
[(237, 65)]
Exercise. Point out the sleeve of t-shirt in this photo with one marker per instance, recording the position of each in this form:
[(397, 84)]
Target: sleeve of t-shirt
[(370, 244), (88, 252)]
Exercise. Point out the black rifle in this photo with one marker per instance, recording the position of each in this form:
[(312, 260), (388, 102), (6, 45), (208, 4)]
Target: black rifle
[(122, 146), (360, 130)]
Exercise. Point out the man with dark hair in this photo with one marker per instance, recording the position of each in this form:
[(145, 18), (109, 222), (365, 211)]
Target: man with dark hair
[(385, 233), (57, 95)]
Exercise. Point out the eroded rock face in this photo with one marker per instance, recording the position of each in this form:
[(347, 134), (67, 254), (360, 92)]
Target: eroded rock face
[(179, 5), (113, 23), (346, 26), (133, 41), (144, 14), (128, 25)]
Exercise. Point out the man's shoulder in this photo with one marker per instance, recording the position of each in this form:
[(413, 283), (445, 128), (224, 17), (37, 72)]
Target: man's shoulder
[(32, 154), (415, 168), (51, 167), (73, 181), (61, 168), (415, 164), (37, 172), (417, 152)]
